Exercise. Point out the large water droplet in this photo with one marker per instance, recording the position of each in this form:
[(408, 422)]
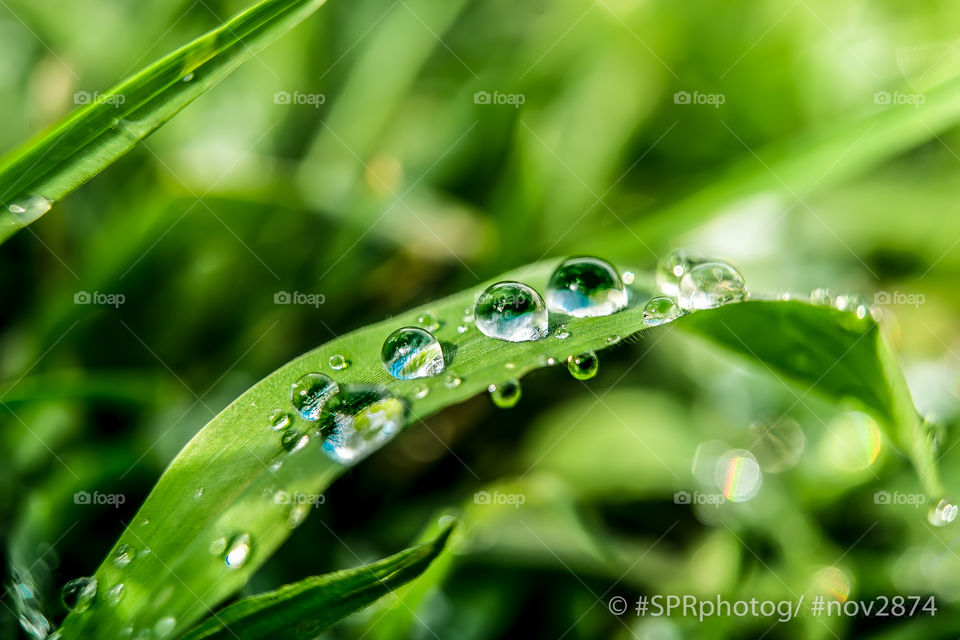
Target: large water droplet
[(511, 311), (337, 362), (279, 420), (660, 310), (738, 475), (583, 366), (26, 210), (709, 285), (123, 555), (310, 393), (77, 595), (943, 513), (238, 551), (673, 267), (360, 421), (505, 394), (585, 287), (411, 353)]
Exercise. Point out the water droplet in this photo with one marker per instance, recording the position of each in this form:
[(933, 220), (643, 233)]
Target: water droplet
[(852, 302), (310, 393), (505, 394), (674, 266), (188, 77), (26, 210), (77, 595), (428, 320), (452, 381), (293, 440), (337, 362), (585, 287), (561, 333), (628, 277), (218, 546), (511, 311), (614, 339), (115, 593), (462, 329), (777, 445), (279, 419), (467, 314), (660, 310), (821, 297), (421, 391), (123, 555), (238, 551), (943, 513), (738, 475), (361, 421), (583, 366), (709, 285), (164, 626), (298, 513), (199, 493), (509, 365), (411, 353)]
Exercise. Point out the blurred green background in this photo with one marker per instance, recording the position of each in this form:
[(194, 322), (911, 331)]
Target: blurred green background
[(377, 155)]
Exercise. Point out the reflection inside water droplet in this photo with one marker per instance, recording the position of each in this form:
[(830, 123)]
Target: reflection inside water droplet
[(511, 311), (709, 285), (505, 394), (660, 310), (309, 394), (583, 366), (78, 594), (585, 287), (360, 421), (410, 352), (238, 551)]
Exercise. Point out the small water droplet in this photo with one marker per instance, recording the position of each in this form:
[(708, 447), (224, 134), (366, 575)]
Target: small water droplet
[(673, 267), (583, 366), (337, 362), (452, 381), (279, 419), (628, 277), (238, 551), (164, 626), (467, 314), (115, 593), (505, 394), (275, 465), (188, 77), (361, 421), (77, 595), (821, 297), (614, 339), (428, 320), (146, 522), (660, 310), (462, 329), (199, 493), (585, 287), (294, 441), (124, 555), (709, 285), (561, 333), (509, 365), (852, 302), (218, 546), (511, 311), (738, 475), (26, 210), (310, 393), (298, 513), (943, 513), (410, 352), (421, 391)]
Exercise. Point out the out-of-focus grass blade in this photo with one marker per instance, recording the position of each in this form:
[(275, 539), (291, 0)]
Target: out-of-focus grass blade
[(831, 352), (305, 608), (47, 168)]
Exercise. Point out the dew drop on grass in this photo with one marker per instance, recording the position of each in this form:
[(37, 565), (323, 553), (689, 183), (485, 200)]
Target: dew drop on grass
[(614, 339), (310, 393), (511, 311), (660, 310), (428, 320), (238, 551), (361, 420), (421, 391), (467, 314), (279, 419), (123, 555), (943, 513), (410, 352), (738, 475), (199, 493), (561, 333), (115, 593), (164, 626), (506, 394), (583, 366), (585, 287), (452, 381), (463, 328), (218, 546), (188, 77), (78, 594), (709, 285), (26, 210), (293, 440), (673, 267), (337, 362), (628, 277), (298, 513)]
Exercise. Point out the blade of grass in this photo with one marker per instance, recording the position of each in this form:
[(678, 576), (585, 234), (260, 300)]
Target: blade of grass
[(47, 168), (305, 608), (221, 483)]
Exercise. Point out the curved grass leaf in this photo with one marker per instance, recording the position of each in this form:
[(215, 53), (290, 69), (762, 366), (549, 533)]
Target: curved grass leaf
[(305, 608), (224, 483), (47, 168)]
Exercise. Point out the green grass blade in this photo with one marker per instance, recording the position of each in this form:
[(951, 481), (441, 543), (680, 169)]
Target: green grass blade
[(224, 482), (47, 168), (305, 608)]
